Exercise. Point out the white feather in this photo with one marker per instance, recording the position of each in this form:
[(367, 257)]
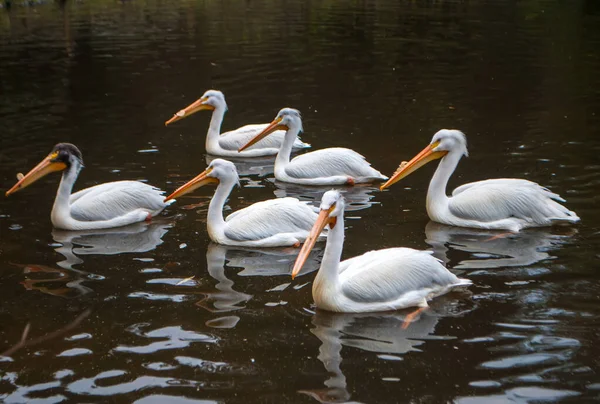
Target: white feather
[(285, 215), (498, 199), (113, 199), (332, 162), (404, 270)]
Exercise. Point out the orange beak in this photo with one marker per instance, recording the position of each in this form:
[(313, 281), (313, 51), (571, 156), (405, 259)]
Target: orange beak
[(273, 126), (191, 109), (45, 167), (199, 181), (405, 169), (322, 220)]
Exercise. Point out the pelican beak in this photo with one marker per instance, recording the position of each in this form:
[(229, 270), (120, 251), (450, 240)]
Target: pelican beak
[(199, 181), (405, 169), (273, 126), (194, 107), (322, 220), (45, 167)]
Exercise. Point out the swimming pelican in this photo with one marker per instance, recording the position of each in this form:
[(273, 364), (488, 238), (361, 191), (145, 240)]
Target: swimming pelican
[(113, 204), (226, 144), (503, 203), (271, 223), (332, 166), (381, 280)]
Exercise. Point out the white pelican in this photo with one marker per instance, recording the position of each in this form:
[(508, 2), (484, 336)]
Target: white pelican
[(503, 203), (102, 206), (332, 166), (227, 144), (271, 223), (381, 280)]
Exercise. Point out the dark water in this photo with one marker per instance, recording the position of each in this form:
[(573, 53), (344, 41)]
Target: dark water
[(111, 315)]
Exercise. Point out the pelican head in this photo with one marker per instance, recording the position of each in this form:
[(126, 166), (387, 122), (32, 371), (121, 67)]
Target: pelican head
[(445, 141), (210, 100), (218, 171), (62, 156), (332, 206), (287, 118)]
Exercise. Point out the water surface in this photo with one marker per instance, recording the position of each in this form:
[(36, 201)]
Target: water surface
[(155, 313)]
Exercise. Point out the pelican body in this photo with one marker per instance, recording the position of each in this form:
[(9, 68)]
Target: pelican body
[(332, 166), (227, 144), (500, 204), (270, 223), (381, 280), (103, 206)]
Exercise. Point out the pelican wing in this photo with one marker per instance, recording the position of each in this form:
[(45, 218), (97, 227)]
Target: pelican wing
[(267, 218), (385, 275), (331, 162), (503, 198), (235, 139), (114, 199)]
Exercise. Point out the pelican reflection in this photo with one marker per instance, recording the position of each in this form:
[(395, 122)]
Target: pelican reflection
[(489, 249), (260, 166), (271, 261), (225, 298), (254, 262), (67, 281), (358, 197), (136, 238), (373, 332)]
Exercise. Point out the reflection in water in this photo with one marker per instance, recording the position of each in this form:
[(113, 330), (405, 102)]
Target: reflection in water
[(225, 299), (357, 197), (372, 332), (62, 283), (490, 248), (68, 281), (255, 262), (135, 238), (270, 261), (261, 166)]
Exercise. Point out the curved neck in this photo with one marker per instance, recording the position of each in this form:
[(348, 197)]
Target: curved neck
[(283, 157), (214, 129), (328, 273), (215, 221), (436, 194), (62, 202)]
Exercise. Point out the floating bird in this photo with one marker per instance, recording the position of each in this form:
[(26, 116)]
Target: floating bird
[(332, 166), (503, 203), (227, 144), (102, 206), (271, 223), (381, 280)]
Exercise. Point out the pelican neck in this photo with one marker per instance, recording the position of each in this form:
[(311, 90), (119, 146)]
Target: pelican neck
[(436, 194), (215, 220)]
